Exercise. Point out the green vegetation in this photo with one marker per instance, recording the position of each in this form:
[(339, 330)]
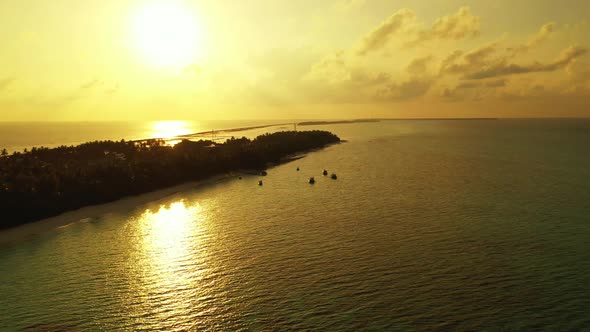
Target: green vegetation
[(45, 182)]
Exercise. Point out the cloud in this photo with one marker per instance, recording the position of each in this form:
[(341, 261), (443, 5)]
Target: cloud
[(273, 77), (468, 85), (502, 68), (338, 77), (578, 77), (6, 82), (79, 93), (481, 54), (348, 6), (380, 36), (409, 89), (339, 69), (496, 83), (286, 65), (419, 66), (528, 91), (46, 100), (460, 25), (90, 84), (292, 76), (544, 33), (193, 68), (417, 83), (484, 62), (471, 90), (112, 90), (331, 69), (476, 84), (459, 62), (579, 70), (463, 24)]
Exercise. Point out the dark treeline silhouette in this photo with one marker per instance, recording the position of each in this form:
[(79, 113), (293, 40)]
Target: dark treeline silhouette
[(45, 182)]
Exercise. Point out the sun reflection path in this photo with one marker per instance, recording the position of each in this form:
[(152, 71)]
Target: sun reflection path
[(173, 250)]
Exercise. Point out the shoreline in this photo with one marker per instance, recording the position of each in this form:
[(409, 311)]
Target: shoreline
[(28, 231), (43, 226), (43, 183)]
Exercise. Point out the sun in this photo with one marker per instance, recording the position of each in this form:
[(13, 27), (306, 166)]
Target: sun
[(166, 34)]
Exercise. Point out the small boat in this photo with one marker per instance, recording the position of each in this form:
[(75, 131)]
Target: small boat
[(325, 172), (333, 176), (311, 180), (260, 182)]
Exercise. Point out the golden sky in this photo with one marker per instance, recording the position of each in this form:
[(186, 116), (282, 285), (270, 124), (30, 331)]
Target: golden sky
[(269, 59)]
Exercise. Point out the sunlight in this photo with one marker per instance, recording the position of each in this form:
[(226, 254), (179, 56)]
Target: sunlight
[(172, 251), (169, 227), (167, 34), (169, 129)]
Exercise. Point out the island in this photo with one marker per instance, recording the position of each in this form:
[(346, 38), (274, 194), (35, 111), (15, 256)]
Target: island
[(45, 182)]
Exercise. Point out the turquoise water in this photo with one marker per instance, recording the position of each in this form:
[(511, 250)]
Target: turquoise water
[(431, 225)]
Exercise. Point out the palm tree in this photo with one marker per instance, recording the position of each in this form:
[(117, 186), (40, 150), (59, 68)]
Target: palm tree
[(4, 153)]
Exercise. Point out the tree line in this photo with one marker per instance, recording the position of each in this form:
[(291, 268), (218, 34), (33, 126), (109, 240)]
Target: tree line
[(44, 182)]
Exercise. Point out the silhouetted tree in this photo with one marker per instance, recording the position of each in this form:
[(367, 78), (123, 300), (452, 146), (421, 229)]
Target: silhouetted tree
[(44, 182)]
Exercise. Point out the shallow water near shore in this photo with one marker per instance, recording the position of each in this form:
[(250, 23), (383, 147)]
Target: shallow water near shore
[(451, 225)]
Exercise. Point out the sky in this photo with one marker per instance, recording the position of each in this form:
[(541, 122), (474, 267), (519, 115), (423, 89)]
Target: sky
[(105, 60)]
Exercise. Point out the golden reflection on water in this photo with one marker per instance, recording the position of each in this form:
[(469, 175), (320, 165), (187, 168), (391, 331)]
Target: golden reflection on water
[(172, 252), (168, 227)]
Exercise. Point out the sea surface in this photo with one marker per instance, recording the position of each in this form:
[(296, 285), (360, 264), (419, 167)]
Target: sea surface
[(480, 225)]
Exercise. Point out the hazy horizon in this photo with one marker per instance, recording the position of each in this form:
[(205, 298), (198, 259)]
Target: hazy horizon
[(287, 120)]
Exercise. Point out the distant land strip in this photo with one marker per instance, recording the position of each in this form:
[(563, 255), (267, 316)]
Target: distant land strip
[(303, 123), (437, 119), (316, 123), (231, 130)]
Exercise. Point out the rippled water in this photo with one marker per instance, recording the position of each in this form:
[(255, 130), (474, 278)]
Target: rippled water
[(450, 225)]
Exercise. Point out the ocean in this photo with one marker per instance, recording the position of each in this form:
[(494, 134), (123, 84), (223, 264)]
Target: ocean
[(460, 225)]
